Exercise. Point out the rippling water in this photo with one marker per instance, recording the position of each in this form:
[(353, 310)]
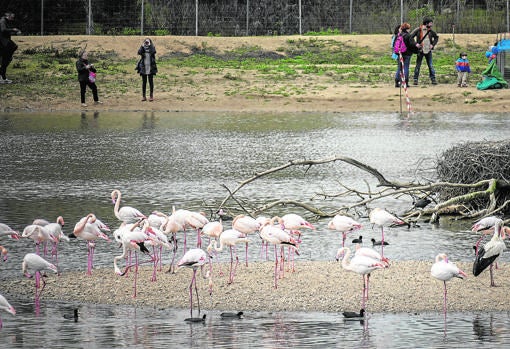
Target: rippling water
[(67, 164)]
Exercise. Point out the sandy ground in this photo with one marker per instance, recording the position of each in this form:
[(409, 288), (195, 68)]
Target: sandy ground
[(314, 286), (211, 91)]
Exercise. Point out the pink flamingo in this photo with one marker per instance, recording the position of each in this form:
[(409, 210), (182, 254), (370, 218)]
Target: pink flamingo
[(132, 238), (90, 228), (35, 264), (229, 238), (5, 230), (171, 225), (4, 305), (362, 265), (343, 224), (126, 214), (294, 224), (213, 230), (194, 259), (56, 230), (40, 235), (383, 218), (276, 236), (246, 225), (158, 241), (444, 270), (489, 252)]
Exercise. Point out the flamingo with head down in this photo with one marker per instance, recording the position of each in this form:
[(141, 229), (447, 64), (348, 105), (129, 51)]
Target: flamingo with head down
[(35, 264), (444, 270), (55, 229), (90, 229), (294, 223), (230, 238), (4, 305), (5, 230), (40, 235)]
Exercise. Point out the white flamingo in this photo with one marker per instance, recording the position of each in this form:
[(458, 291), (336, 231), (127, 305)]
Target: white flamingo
[(444, 270), (230, 238), (383, 218), (246, 225), (40, 235), (55, 228), (4, 305), (35, 264), (90, 229), (194, 259), (126, 214), (344, 225)]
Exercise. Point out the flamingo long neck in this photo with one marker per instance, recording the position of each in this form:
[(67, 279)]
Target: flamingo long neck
[(83, 223), (116, 198), (345, 261), (498, 232)]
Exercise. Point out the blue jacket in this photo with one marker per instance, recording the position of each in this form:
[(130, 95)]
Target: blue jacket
[(462, 65)]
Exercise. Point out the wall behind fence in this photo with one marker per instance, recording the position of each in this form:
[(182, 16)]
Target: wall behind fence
[(250, 17)]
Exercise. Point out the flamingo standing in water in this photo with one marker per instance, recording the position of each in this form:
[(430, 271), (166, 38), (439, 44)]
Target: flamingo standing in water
[(276, 236), (213, 230), (294, 223), (362, 265), (35, 264), (383, 218), (4, 305), (126, 214), (194, 259), (489, 252), (246, 225), (344, 225), (229, 238), (90, 228), (444, 270)]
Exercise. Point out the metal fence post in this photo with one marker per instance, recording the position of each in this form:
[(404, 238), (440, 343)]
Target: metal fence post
[(42, 17), (142, 18), (196, 17)]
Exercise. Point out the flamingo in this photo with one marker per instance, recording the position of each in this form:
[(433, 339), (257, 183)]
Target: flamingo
[(90, 228), (194, 258), (362, 265), (230, 238), (276, 236), (246, 225), (5, 230), (158, 242), (343, 224), (126, 214), (35, 264), (132, 238), (171, 225), (383, 218), (55, 229), (444, 270), (490, 251), (184, 218), (40, 235), (213, 230), (294, 223), (4, 305)]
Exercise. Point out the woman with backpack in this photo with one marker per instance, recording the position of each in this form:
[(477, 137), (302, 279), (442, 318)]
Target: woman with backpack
[(404, 46)]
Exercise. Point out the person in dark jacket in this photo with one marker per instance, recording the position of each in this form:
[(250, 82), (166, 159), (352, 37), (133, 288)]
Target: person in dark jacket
[(7, 46), (412, 47), (428, 39), (86, 77), (147, 67)]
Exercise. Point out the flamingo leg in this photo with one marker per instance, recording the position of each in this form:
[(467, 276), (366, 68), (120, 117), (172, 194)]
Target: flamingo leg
[(196, 292), (246, 253), (444, 302), (191, 293), (136, 274), (275, 267), (382, 241), (344, 237), (172, 268), (492, 275), (363, 292)]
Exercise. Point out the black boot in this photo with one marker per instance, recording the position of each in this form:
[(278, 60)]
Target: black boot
[(397, 83)]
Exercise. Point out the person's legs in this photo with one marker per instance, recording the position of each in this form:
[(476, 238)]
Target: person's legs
[(151, 87), (419, 58), (144, 87), (6, 60), (83, 86), (432, 72), (407, 63), (93, 87), (459, 78), (398, 73)]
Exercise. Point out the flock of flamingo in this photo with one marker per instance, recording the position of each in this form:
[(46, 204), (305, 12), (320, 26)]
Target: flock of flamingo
[(151, 234)]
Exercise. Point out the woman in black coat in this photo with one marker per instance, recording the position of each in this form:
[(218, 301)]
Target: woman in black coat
[(86, 77), (147, 67)]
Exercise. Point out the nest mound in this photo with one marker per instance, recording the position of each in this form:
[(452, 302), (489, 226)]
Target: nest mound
[(471, 162)]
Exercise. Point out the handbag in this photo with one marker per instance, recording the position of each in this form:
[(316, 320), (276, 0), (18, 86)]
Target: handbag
[(92, 76)]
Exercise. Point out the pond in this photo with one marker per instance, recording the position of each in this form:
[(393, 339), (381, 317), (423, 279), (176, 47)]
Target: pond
[(67, 164)]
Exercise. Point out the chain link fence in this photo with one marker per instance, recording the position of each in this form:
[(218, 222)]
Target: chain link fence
[(250, 17)]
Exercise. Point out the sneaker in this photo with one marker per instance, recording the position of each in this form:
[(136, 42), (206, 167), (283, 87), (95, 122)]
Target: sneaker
[(397, 83), (151, 99), (5, 81), (144, 99), (84, 104), (415, 82), (98, 102), (434, 82)]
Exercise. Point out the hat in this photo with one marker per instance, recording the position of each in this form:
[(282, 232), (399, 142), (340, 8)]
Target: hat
[(463, 54)]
